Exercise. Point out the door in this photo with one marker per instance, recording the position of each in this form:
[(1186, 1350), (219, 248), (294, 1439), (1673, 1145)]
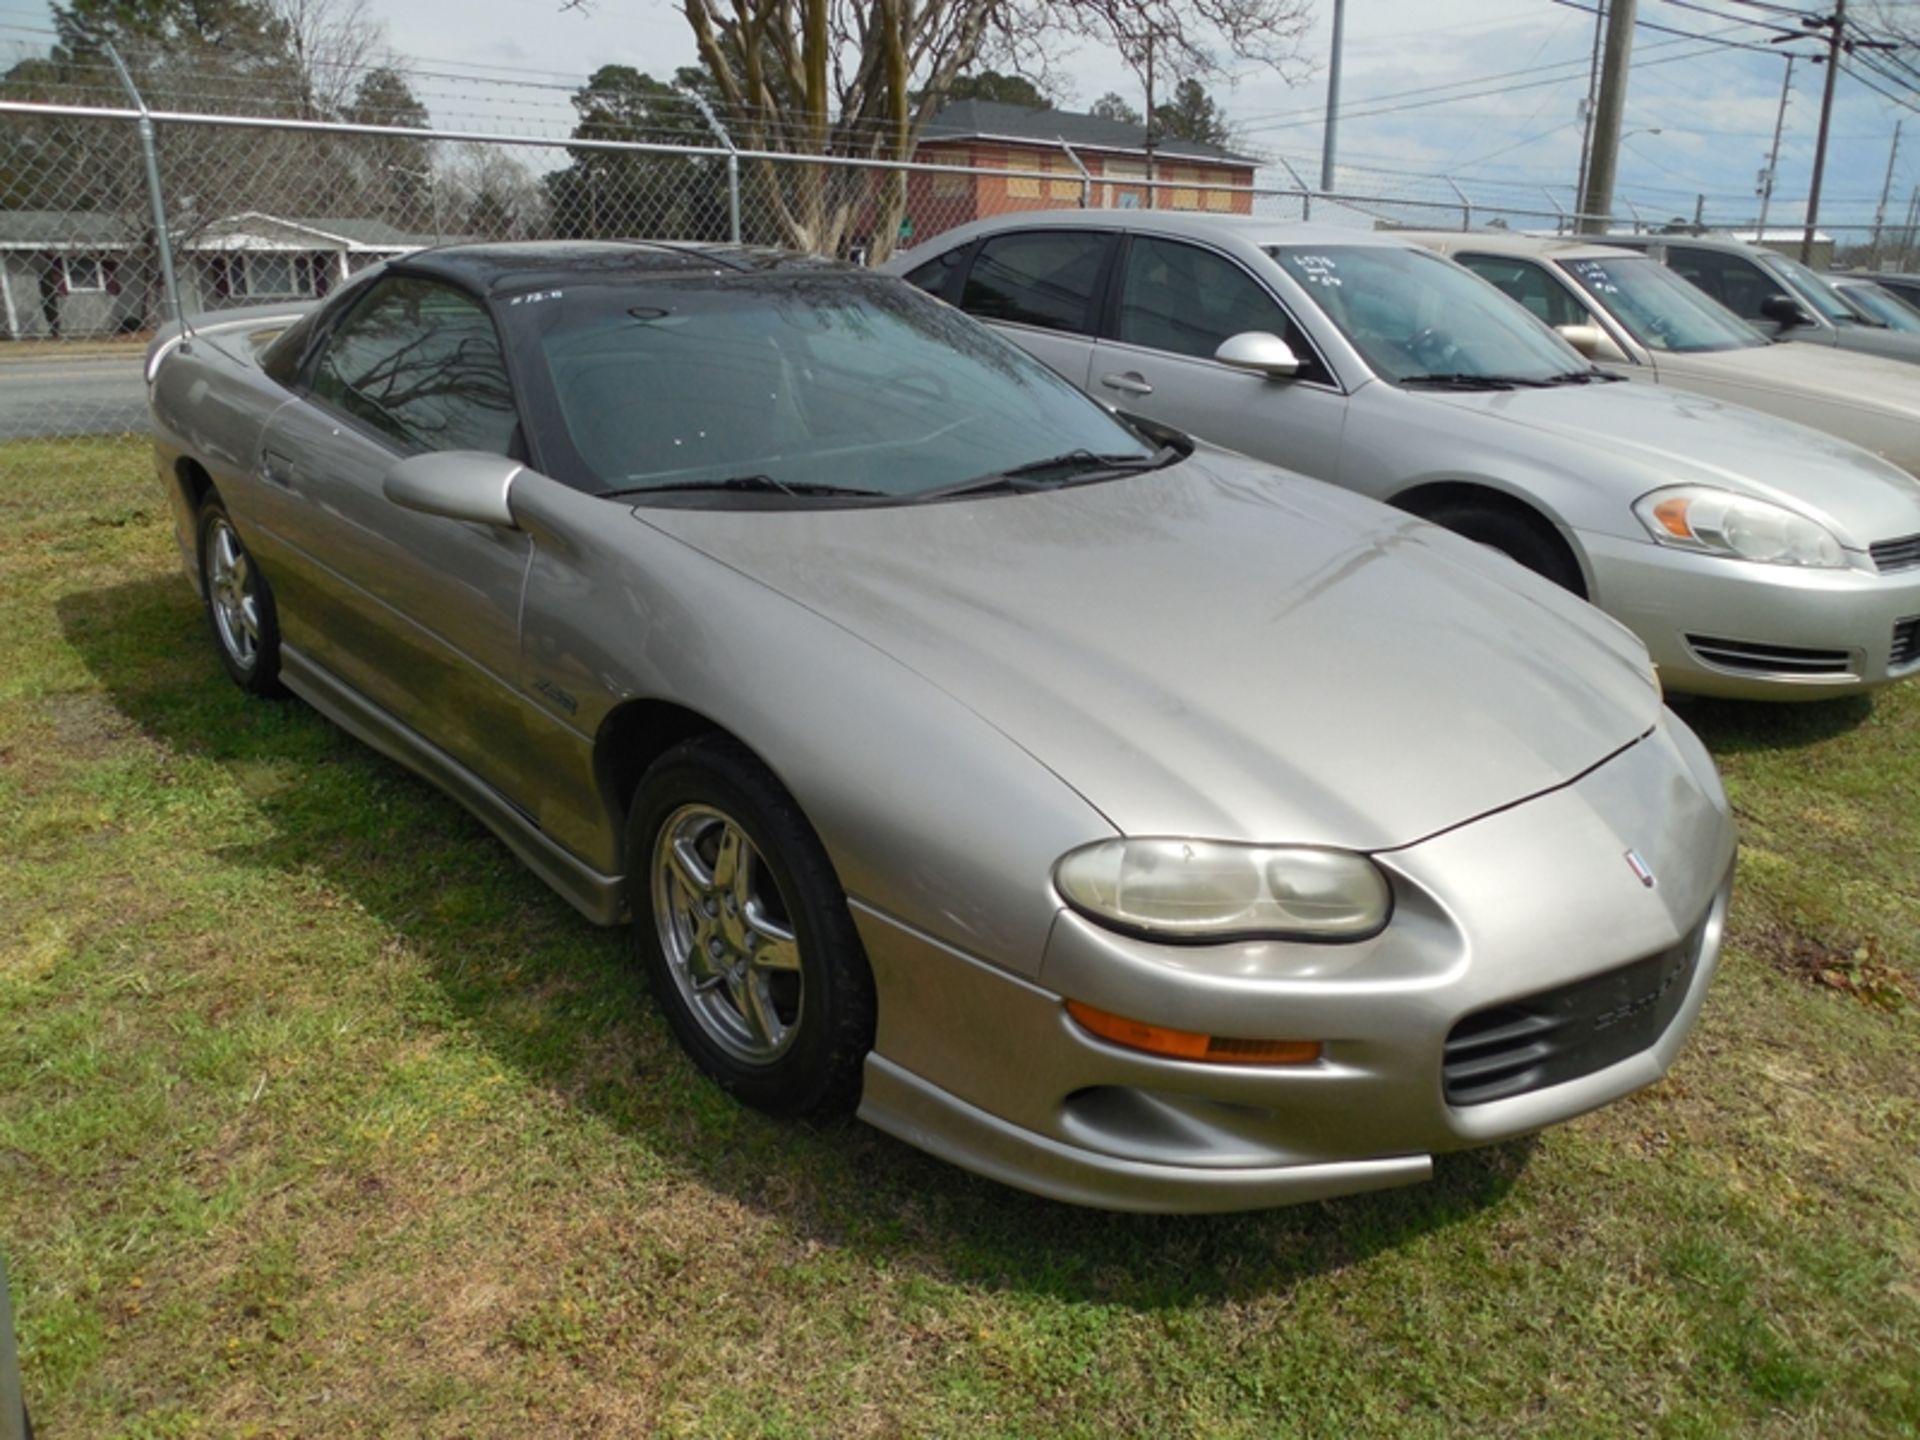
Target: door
[(1038, 288), (417, 613), (1176, 303)]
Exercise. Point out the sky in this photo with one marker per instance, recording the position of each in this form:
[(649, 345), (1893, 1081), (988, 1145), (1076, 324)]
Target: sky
[(1508, 130)]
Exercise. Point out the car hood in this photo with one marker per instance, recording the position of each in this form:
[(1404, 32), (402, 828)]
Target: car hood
[(1219, 648), (1871, 340), (1840, 377), (1680, 438)]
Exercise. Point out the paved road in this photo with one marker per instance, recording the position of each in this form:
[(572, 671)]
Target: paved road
[(77, 395)]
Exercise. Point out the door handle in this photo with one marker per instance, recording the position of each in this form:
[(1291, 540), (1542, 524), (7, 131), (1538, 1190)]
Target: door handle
[(276, 468), (1131, 383)]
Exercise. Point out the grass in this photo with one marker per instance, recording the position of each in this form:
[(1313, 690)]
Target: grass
[(318, 1116)]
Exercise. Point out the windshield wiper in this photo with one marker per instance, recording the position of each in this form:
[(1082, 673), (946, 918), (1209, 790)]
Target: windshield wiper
[(744, 484), (1054, 470), (1579, 377), (1458, 380)]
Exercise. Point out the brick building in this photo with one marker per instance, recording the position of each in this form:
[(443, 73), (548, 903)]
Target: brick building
[(988, 135)]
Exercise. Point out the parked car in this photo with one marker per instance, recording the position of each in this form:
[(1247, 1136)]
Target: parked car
[(1637, 319), (1737, 546), (1117, 817), (1774, 293), (1907, 287), (1875, 304)]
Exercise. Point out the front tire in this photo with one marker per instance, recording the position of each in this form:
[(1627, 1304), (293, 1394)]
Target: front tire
[(1521, 537), (744, 933), (241, 616)]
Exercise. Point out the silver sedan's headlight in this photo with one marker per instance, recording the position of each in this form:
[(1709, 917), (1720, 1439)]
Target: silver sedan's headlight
[(1175, 889), (1719, 522)]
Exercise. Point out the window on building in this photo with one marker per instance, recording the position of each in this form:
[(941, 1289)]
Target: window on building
[(85, 274)]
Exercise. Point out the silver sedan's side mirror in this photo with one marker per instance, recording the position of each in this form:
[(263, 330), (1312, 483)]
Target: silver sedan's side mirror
[(1591, 341), (1260, 352), (469, 485)]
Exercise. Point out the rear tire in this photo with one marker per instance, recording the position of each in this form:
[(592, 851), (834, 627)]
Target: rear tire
[(1519, 535), (744, 933), (241, 616)]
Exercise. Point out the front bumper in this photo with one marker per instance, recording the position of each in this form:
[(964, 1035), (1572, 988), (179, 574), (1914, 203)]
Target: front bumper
[(1758, 632), (986, 1069)]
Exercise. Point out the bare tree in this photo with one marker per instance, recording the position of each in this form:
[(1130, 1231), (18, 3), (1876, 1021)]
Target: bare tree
[(859, 78), (333, 45)]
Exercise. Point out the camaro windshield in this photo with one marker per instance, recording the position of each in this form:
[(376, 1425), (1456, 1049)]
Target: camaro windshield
[(822, 383), (1659, 309), (1415, 317)]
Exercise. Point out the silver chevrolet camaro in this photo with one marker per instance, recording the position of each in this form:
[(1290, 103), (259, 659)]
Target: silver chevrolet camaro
[(1108, 814)]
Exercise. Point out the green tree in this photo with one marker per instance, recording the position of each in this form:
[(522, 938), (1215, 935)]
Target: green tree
[(609, 193), (1191, 115), (1111, 107), (1003, 89)]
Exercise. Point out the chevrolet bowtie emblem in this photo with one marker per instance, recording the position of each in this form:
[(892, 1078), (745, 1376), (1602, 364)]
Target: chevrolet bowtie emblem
[(1639, 867)]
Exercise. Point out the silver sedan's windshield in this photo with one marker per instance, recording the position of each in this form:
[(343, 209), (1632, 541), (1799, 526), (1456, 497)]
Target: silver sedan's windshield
[(822, 384), (1417, 318), (1880, 306), (1810, 288), (1659, 309)]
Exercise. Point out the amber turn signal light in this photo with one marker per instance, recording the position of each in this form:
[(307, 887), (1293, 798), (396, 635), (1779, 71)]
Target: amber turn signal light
[(1190, 1044)]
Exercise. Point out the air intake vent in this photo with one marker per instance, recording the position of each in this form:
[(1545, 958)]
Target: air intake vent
[(1755, 659), (1906, 642), (1902, 554), (1560, 1035)]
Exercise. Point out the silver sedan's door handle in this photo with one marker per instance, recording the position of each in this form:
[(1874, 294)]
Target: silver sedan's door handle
[(277, 469), (1131, 383)]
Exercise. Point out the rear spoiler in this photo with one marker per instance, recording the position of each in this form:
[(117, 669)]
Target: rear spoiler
[(240, 318)]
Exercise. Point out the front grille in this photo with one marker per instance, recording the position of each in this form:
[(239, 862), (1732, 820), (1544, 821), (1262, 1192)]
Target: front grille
[(1560, 1035), (1906, 642), (1757, 659), (1901, 554)]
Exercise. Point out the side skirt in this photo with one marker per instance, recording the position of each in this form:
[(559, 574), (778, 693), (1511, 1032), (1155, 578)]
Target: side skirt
[(601, 898)]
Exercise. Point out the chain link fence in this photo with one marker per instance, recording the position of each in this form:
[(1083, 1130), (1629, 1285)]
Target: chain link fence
[(97, 245)]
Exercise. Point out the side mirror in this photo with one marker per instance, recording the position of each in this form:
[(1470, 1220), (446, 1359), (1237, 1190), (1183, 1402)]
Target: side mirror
[(1785, 311), (1591, 341), (470, 485), (1259, 352)]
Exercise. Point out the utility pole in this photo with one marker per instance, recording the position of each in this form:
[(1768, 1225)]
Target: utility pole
[(1333, 98), (1886, 189), (1772, 171), (1913, 220), (1699, 214), (1586, 114), (1837, 23), (1596, 202)]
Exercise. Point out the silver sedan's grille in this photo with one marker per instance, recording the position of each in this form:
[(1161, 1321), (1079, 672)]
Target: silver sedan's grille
[(1753, 658), (1901, 554), (1906, 642)]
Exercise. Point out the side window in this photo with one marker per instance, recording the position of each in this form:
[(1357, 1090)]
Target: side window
[(420, 362), (936, 275), (1735, 281), (1186, 300), (1037, 277), (1531, 285)]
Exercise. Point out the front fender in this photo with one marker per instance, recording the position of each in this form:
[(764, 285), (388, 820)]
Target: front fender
[(929, 814)]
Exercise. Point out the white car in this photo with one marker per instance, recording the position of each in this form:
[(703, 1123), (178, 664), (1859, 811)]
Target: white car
[(1740, 548)]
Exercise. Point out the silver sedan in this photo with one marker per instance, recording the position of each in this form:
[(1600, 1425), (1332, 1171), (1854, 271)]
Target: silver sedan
[(1108, 814), (1756, 558)]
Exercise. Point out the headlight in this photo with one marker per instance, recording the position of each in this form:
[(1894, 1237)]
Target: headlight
[(1171, 889), (1718, 522)]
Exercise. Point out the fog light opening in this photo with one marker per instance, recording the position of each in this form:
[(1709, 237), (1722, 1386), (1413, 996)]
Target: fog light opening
[(1191, 1044)]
